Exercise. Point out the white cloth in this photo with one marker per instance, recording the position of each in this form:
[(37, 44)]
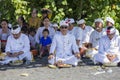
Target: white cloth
[(55, 25), (99, 20), (39, 33), (16, 31), (77, 32), (86, 34), (109, 19), (66, 60), (81, 21), (32, 40), (107, 46), (95, 37), (116, 33), (64, 45), (64, 23), (70, 20), (16, 45), (4, 36)]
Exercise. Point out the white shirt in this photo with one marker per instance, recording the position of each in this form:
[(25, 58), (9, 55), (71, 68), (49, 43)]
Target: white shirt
[(39, 33), (86, 34), (77, 32), (16, 45), (63, 45), (4, 36), (95, 37), (109, 46)]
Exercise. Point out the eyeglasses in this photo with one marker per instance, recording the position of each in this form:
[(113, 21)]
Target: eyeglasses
[(63, 27)]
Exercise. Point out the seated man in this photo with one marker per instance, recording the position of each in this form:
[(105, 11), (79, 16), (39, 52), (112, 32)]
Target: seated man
[(65, 48), (109, 48), (86, 32), (17, 47), (95, 37), (76, 31)]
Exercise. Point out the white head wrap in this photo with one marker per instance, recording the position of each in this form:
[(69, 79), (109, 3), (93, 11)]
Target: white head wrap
[(109, 19), (69, 20), (99, 20), (63, 23), (81, 21), (110, 30), (16, 30), (55, 25)]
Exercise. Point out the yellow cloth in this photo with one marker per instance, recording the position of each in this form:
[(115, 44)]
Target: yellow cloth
[(34, 22), (49, 16), (2, 56)]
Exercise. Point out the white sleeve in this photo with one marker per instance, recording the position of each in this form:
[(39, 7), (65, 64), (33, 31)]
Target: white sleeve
[(74, 45), (91, 30), (91, 37), (26, 44), (78, 34), (8, 45), (52, 33), (53, 45), (101, 47), (37, 36), (117, 32)]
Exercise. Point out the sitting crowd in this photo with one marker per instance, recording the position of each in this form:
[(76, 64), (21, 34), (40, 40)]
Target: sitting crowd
[(64, 45)]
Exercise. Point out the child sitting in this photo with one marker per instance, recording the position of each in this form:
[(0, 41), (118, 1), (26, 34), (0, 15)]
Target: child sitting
[(45, 43), (31, 36)]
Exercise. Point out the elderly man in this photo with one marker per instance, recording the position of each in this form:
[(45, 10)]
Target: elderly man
[(95, 37), (17, 47), (110, 22), (65, 47), (76, 31), (109, 48), (86, 32)]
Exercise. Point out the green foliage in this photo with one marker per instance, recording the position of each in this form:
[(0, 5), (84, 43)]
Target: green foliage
[(77, 9)]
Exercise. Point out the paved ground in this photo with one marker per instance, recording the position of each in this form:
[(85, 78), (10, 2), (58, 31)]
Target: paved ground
[(36, 71)]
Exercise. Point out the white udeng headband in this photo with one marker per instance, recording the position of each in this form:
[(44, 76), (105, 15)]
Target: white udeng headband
[(99, 20), (63, 23), (81, 21), (111, 31), (15, 31), (55, 25), (69, 20), (110, 20)]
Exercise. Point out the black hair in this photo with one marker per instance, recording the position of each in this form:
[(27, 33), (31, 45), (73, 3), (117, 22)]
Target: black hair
[(5, 20), (45, 30), (44, 11), (15, 27), (22, 19), (24, 29), (31, 29), (109, 27), (43, 20)]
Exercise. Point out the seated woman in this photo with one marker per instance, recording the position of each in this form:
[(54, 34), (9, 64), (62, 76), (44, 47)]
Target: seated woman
[(4, 33), (46, 25), (34, 20)]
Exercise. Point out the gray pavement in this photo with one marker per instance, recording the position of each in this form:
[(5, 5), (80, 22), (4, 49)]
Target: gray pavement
[(39, 71)]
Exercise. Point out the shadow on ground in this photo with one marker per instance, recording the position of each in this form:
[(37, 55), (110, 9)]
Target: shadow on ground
[(43, 62)]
